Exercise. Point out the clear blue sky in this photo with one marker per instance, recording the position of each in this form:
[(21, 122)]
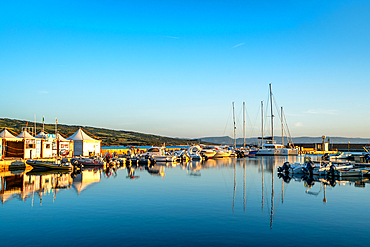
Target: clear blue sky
[(173, 68)]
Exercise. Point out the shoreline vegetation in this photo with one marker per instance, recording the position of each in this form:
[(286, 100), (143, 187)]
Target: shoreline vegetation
[(111, 137), (107, 136)]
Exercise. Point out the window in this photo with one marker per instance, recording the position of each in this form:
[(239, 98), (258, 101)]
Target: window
[(30, 145)]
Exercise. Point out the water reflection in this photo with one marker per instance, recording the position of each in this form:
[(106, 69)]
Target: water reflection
[(86, 179), (24, 185), (225, 201)]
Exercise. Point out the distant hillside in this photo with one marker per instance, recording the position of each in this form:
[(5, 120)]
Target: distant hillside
[(226, 140), (107, 136)]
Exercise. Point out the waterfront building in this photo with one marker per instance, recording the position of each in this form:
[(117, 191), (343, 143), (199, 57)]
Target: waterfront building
[(84, 145)]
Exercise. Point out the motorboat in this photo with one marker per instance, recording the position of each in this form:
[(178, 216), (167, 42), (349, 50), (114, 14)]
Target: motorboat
[(194, 153), (222, 153), (49, 165), (159, 155), (328, 168), (296, 168), (88, 162), (271, 148), (358, 172), (208, 152)]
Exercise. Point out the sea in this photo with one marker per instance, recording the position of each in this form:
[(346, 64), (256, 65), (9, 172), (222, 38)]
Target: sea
[(221, 202)]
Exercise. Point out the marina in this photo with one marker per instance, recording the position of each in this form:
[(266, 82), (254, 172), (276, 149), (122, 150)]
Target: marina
[(185, 123), (221, 202)]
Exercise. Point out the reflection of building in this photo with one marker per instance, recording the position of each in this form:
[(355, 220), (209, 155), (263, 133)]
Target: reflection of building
[(86, 179), (23, 185)]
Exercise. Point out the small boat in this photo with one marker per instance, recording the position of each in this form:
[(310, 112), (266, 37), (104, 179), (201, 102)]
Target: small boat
[(296, 168), (222, 153), (159, 155), (17, 165), (209, 153), (194, 152), (357, 172), (88, 162), (252, 152), (48, 165)]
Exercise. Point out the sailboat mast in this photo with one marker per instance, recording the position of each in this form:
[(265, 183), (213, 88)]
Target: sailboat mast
[(262, 124), (282, 127), (234, 185), (234, 127), (244, 185), (272, 116), (272, 200), (262, 184), (243, 124)]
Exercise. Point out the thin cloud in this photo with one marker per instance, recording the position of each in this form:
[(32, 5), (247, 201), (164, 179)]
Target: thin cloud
[(43, 92), (321, 111), (293, 115), (172, 37), (299, 124), (238, 45)]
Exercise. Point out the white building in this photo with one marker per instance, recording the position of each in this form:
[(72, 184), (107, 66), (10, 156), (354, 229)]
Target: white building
[(84, 145)]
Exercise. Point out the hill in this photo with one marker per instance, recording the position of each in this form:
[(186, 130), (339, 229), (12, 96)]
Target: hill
[(107, 136)]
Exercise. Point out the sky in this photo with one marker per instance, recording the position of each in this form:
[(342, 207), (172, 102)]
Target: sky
[(174, 68)]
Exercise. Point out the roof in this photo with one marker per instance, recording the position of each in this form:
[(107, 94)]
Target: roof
[(41, 134), (80, 135), (7, 135), (25, 134), (61, 138)]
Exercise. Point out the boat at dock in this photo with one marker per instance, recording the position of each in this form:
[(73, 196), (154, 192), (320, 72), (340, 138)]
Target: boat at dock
[(49, 165), (88, 162), (208, 152), (159, 155), (194, 153), (223, 153)]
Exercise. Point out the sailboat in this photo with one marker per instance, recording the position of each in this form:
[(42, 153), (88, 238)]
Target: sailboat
[(269, 147)]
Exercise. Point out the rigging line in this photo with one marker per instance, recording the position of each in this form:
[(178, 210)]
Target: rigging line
[(228, 118), (278, 200), (252, 127), (227, 189), (238, 122), (286, 124), (266, 119)]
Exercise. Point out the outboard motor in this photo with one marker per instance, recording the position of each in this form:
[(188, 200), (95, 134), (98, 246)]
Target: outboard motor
[(325, 157), (367, 157), (284, 168), (308, 169), (332, 169), (280, 169)]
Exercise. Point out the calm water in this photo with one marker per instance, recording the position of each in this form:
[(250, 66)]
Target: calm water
[(226, 202)]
